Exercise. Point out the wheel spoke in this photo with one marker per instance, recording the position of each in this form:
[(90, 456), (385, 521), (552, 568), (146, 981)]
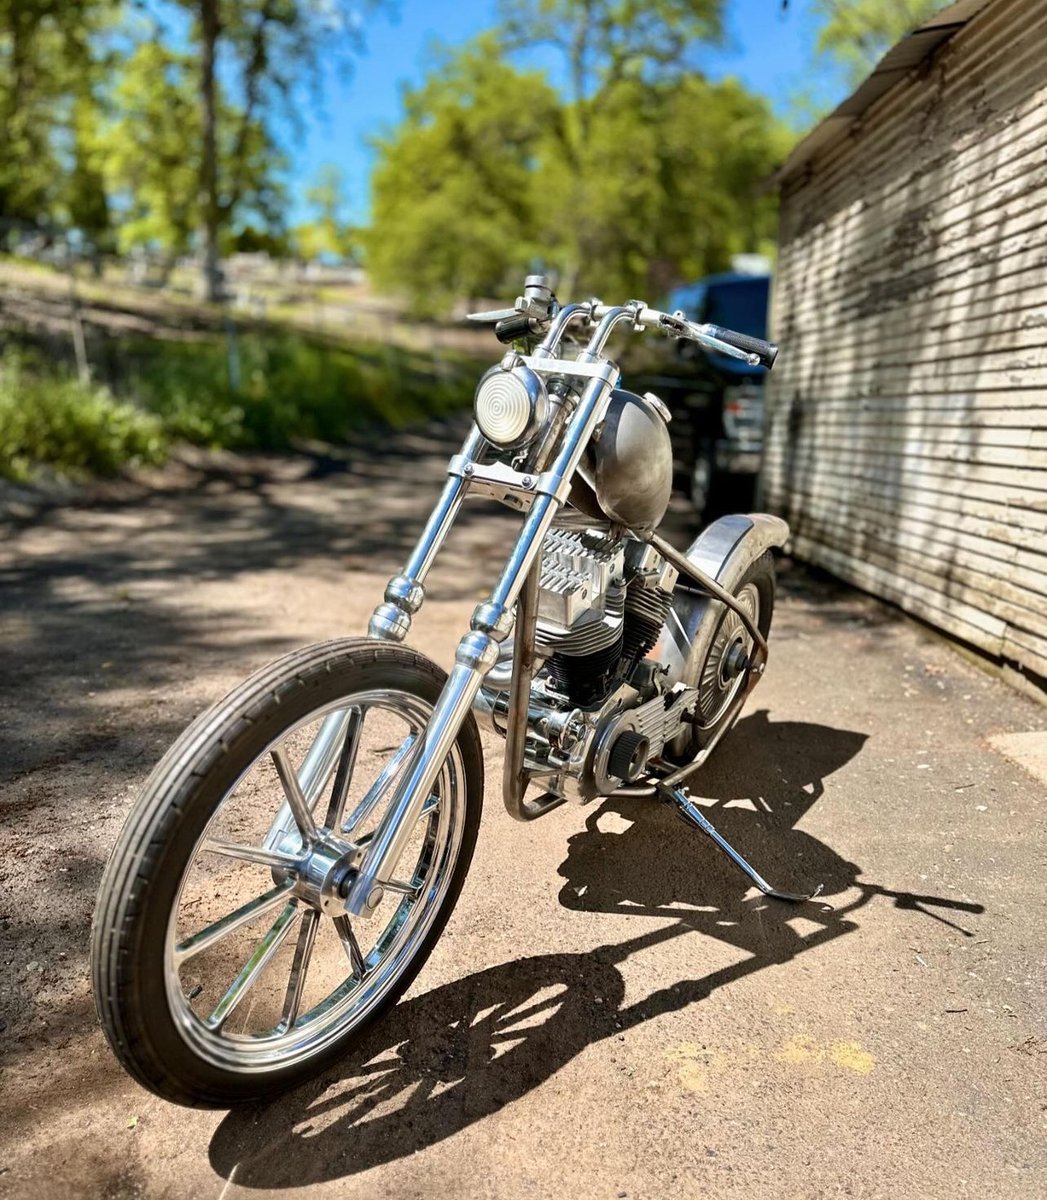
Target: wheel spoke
[(350, 945), (293, 791), (247, 912), (302, 954), (252, 854), (346, 762), (376, 792), (401, 888), (254, 966)]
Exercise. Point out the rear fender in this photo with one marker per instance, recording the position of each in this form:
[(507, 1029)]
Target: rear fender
[(725, 551)]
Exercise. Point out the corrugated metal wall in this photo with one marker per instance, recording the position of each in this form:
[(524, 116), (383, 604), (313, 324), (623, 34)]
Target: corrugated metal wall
[(908, 415)]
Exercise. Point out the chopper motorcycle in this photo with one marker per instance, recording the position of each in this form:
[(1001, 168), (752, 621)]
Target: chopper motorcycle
[(294, 857)]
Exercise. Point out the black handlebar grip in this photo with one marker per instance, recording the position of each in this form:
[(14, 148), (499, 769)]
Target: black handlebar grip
[(513, 328), (767, 351)]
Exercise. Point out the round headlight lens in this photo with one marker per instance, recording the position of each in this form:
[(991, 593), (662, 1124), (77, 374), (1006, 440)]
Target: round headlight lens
[(511, 406)]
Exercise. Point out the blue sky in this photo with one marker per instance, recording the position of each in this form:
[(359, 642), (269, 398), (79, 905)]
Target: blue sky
[(769, 51)]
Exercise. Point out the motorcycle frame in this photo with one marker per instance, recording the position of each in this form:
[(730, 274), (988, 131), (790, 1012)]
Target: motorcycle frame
[(540, 490)]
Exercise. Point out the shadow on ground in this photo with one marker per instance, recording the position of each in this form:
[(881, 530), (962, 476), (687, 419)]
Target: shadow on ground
[(100, 596), (460, 1052)]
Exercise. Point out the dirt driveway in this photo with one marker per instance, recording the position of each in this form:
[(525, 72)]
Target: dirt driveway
[(611, 1014)]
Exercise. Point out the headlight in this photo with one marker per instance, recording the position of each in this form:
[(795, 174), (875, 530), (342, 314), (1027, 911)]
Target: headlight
[(511, 405)]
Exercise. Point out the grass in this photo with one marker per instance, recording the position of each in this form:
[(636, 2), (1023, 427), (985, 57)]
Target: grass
[(51, 418), (261, 389)]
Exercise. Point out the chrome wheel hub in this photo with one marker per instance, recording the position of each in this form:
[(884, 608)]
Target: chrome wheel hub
[(724, 668), (321, 870)]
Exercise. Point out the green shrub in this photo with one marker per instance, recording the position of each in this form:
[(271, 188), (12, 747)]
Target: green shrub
[(266, 389), (290, 387), (51, 418)]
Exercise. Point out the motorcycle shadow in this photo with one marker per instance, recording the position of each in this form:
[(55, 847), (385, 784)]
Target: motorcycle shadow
[(443, 1060)]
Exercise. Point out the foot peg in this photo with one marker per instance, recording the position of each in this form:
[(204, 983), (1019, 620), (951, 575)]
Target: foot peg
[(691, 813)]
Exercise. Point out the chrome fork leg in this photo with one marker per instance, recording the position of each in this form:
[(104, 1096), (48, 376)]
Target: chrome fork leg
[(691, 813), (477, 653)]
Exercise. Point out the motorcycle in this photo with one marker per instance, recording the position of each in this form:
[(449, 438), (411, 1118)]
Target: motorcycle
[(294, 857)]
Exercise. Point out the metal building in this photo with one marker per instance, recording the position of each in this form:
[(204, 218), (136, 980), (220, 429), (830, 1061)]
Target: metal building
[(907, 441)]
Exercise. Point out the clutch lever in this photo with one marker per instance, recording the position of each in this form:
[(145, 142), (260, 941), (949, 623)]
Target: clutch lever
[(491, 316)]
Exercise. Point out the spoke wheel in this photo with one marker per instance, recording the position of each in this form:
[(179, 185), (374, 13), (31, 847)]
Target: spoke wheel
[(716, 674), (720, 681), (225, 965)]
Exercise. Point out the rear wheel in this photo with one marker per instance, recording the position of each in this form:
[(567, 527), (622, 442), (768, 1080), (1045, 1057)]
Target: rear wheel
[(225, 967), (720, 675)]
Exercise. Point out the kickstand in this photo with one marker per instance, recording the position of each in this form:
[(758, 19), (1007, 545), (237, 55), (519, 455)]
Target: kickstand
[(691, 813)]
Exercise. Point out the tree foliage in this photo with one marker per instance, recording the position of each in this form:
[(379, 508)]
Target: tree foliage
[(456, 206), (48, 70), (857, 33), (491, 173), (151, 149), (606, 41), (329, 233), (156, 117)]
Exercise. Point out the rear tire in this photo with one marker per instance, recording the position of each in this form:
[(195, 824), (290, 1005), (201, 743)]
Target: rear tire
[(170, 834)]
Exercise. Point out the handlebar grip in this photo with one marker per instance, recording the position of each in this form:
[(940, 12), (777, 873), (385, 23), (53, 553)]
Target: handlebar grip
[(767, 351), (513, 328)]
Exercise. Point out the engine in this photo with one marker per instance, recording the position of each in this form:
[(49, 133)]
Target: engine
[(602, 603)]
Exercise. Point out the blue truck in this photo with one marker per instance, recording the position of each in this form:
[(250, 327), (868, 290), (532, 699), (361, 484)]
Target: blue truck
[(716, 402)]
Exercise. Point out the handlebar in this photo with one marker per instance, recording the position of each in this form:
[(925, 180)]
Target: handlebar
[(519, 325), (511, 324), (767, 352)]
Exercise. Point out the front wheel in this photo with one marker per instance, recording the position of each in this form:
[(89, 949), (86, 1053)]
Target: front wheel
[(225, 969)]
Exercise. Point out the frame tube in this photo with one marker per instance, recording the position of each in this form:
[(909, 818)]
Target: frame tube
[(515, 776)]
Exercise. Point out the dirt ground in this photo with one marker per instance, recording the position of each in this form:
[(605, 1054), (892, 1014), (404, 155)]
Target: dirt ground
[(611, 1012)]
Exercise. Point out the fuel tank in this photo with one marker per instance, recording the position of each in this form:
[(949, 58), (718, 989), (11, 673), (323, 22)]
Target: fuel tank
[(627, 473)]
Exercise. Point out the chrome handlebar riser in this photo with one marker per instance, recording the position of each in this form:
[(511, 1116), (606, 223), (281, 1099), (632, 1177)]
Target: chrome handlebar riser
[(549, 345), (609, 318)]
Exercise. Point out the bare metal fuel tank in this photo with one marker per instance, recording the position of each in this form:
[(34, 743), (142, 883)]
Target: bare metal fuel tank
[(630, 464)]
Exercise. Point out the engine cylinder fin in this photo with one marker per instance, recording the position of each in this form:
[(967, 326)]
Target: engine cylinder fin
[(586, 679), (645, 612)]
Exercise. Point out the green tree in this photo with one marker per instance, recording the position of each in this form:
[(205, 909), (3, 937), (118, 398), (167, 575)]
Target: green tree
[(152, 149), (48, 66), (329, 232), (455, 211), (268, 45), (674, 186), (857, 33), (484, 178), (606, 45), (606, 41), (85, 201)]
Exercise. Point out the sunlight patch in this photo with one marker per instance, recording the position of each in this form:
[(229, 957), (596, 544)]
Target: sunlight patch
[(1028, 750), (612, 822)]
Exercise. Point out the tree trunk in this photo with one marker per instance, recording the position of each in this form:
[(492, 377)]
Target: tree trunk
[(209, 28)]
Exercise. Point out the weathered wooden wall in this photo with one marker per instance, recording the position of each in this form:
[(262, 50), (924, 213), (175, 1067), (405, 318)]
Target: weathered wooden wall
[(907, 439)]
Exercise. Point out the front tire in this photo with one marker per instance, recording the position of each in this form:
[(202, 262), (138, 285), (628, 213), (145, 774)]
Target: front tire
[(224, 970)]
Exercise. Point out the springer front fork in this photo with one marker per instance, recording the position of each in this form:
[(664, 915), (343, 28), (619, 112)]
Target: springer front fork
[(543, 491)]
